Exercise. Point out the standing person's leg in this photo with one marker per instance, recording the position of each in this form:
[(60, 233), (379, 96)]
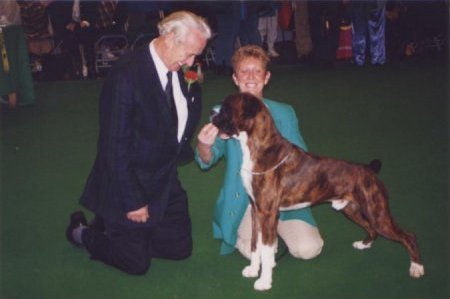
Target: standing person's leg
[(227, 29), (376, 28), (359, 26), (70, 45), (317, 28), (248, 31), (272, 28), (262, 28), (88, 37), (331, 39), (303, 40)]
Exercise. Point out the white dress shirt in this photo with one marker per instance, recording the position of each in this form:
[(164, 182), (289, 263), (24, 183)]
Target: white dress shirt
[(180, 100)]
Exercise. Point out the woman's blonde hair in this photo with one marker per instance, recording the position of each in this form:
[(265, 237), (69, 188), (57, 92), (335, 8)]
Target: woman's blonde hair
[(180, 22), (248, 51)]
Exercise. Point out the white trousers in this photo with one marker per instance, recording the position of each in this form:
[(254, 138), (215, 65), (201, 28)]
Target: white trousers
[(268, 26), (302, 239)]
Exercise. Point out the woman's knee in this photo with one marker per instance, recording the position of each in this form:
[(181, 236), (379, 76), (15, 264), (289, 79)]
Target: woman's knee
[(306, 251), (244, 247)]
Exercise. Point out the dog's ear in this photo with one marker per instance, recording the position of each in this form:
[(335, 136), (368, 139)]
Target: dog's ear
[(251, 107)]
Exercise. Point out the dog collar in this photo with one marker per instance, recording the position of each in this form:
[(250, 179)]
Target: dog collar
[(271, 169)]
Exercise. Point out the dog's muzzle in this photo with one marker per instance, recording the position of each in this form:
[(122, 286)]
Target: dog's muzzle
[(213, 113), (220, 118)]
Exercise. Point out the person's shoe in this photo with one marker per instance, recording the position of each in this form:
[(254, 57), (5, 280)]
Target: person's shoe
[(273, 53), (77, 219)]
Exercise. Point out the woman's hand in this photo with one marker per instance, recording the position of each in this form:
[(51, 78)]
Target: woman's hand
[(206, 138), (208, 134)]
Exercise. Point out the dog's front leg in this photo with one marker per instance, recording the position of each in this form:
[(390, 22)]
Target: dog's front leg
[(252, 270), (267, 264), (268, 244)]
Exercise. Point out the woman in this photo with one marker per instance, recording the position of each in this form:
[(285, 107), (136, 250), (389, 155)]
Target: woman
[(232, 218)]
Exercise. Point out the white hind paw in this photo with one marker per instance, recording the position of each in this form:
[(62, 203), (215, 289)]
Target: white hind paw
[(250, 271), (416, 270), (361, 246)]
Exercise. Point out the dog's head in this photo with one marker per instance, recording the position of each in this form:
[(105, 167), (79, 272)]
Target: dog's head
[(237, 113)]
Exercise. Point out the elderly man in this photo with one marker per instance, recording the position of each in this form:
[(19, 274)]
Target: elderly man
[(147, 117)]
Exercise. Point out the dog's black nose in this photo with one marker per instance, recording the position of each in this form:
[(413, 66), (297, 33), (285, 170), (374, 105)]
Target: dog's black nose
[(213, 113)]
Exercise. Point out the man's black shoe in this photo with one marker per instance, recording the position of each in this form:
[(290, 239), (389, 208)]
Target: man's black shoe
[(76, 219)]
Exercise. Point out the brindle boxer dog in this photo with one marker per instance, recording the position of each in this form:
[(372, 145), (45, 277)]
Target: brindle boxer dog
[(278, 176)]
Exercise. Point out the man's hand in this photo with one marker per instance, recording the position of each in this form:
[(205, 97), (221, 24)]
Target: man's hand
[(71, 26), (84, 24), (206, 138), (140, 215)]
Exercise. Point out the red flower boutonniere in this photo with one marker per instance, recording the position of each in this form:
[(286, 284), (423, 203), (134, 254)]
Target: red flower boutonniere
[(193, 74)]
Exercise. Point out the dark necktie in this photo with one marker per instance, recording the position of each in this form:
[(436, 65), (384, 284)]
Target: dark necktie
[(171, 99)]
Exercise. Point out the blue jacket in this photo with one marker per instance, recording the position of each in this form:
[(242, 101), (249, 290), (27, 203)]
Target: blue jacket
[(233, 199)]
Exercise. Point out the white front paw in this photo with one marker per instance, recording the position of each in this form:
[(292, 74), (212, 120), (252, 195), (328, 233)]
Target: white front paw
[(250, 271), (416, 270), (262, 284)]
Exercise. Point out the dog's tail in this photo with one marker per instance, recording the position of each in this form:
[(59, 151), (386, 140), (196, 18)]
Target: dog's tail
[(375, 165)]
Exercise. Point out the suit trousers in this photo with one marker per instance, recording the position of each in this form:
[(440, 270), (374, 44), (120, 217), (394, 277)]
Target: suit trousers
[(131, 249)]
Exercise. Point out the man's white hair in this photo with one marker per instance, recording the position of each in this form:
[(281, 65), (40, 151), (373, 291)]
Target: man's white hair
[(181, 22)]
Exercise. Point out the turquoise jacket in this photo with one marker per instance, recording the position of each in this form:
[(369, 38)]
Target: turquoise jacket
[(233, 199)]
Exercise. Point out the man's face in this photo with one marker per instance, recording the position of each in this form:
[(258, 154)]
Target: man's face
[(250, 75), (180, 53)]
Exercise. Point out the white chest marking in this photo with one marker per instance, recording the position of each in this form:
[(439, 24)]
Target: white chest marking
[(296, 206), (247, 164)]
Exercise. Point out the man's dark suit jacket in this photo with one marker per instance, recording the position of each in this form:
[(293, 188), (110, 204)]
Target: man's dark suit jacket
[(137, 150)]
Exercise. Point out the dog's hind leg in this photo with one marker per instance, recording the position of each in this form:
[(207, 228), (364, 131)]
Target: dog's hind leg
[(382, 221), (353, 212), (390, 230)]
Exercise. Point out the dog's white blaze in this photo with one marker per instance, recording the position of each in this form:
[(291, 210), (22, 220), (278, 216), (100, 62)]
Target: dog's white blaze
[(296, 206), (339, 204), (416, 270), (247, 164)]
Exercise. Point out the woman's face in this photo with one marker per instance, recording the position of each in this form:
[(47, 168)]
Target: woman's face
[(250, 75)]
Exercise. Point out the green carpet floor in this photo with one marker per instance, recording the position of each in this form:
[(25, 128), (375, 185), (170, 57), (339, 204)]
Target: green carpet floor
[(397, 113)]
